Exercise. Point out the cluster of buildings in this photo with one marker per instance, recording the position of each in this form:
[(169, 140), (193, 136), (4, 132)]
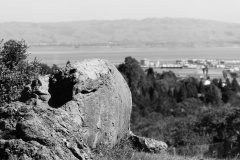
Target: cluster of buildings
[(156, 64), (147, 63), (193, 64), (196, 63)]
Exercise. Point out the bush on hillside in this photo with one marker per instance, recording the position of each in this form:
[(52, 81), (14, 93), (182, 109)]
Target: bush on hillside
[(13, 52), (224, 125), (15, 71)]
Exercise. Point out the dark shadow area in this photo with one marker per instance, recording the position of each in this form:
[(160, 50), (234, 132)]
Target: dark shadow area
[(87, 91), (61, 88)]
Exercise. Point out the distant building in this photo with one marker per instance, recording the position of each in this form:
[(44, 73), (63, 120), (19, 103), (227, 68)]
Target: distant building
[(220, 66), (182, 61), (236, 69), (212, 63), (151, 64), (232, 61), (171, 66), (157, 64), (145, 62)]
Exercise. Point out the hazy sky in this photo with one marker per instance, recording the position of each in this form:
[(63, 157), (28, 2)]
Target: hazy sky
[(73, 10)]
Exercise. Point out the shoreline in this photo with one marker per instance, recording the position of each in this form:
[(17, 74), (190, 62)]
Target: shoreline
[(59, 49)]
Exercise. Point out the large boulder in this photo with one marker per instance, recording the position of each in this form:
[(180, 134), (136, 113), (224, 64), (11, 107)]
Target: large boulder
[(39, 132), (96, 96), (90, 104)]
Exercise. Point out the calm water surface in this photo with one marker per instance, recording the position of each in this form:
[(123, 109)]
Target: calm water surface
[(59, 55)]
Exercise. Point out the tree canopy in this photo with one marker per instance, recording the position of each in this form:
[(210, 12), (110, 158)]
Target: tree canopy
[(13, 52)]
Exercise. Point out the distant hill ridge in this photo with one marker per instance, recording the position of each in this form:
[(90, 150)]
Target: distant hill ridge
[(163, 32)]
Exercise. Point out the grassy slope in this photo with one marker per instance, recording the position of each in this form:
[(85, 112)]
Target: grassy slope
[(135, 32), (163, 156), (124, 151), (144, 156)]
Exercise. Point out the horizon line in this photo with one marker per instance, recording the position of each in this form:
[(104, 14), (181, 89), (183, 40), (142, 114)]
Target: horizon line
[(122, 19)]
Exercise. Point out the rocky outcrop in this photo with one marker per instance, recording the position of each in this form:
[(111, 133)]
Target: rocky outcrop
[(90, 105), (40, 92), (45, 96), (39, 132), (97, 97), (147, 144)]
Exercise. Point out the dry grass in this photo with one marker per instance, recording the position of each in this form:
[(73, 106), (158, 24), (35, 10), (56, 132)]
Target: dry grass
[(124, 151), (162, 156)]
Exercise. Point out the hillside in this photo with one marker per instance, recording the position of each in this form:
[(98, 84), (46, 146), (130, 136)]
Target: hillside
[(165, 32)]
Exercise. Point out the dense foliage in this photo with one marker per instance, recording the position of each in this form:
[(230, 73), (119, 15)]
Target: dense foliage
[(16, 71), (184, 112)]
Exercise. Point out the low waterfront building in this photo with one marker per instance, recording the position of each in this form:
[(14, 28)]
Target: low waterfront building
[(171, 66), (220, 66), (157, 64), (231, 61), (181, 61), (144, 62)]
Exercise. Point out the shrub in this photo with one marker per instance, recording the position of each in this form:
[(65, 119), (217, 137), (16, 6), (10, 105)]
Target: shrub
[(15, 71), (13, 52), (223, 124)]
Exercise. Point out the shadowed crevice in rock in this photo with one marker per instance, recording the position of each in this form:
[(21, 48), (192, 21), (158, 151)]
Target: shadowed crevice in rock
[(87, 92), (61, 86), (75, 153)]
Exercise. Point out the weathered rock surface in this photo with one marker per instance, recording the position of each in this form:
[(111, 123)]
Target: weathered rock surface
[(41, 93), (96, 96), (44, 88), (39, 132), (44, 80), (90, 104), (148, 144)]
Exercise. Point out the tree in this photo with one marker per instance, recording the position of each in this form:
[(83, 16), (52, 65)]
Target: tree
[(192, 91), (182, 94), (13, 52), (213, 94), (150, 74), (233, 74), (54, 68), (235, 85), (45, 69), (215, 82), (228, 84), (15, 71), (133, 72), (200, 87), (169, 76), (137, 82), (220, 84)]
